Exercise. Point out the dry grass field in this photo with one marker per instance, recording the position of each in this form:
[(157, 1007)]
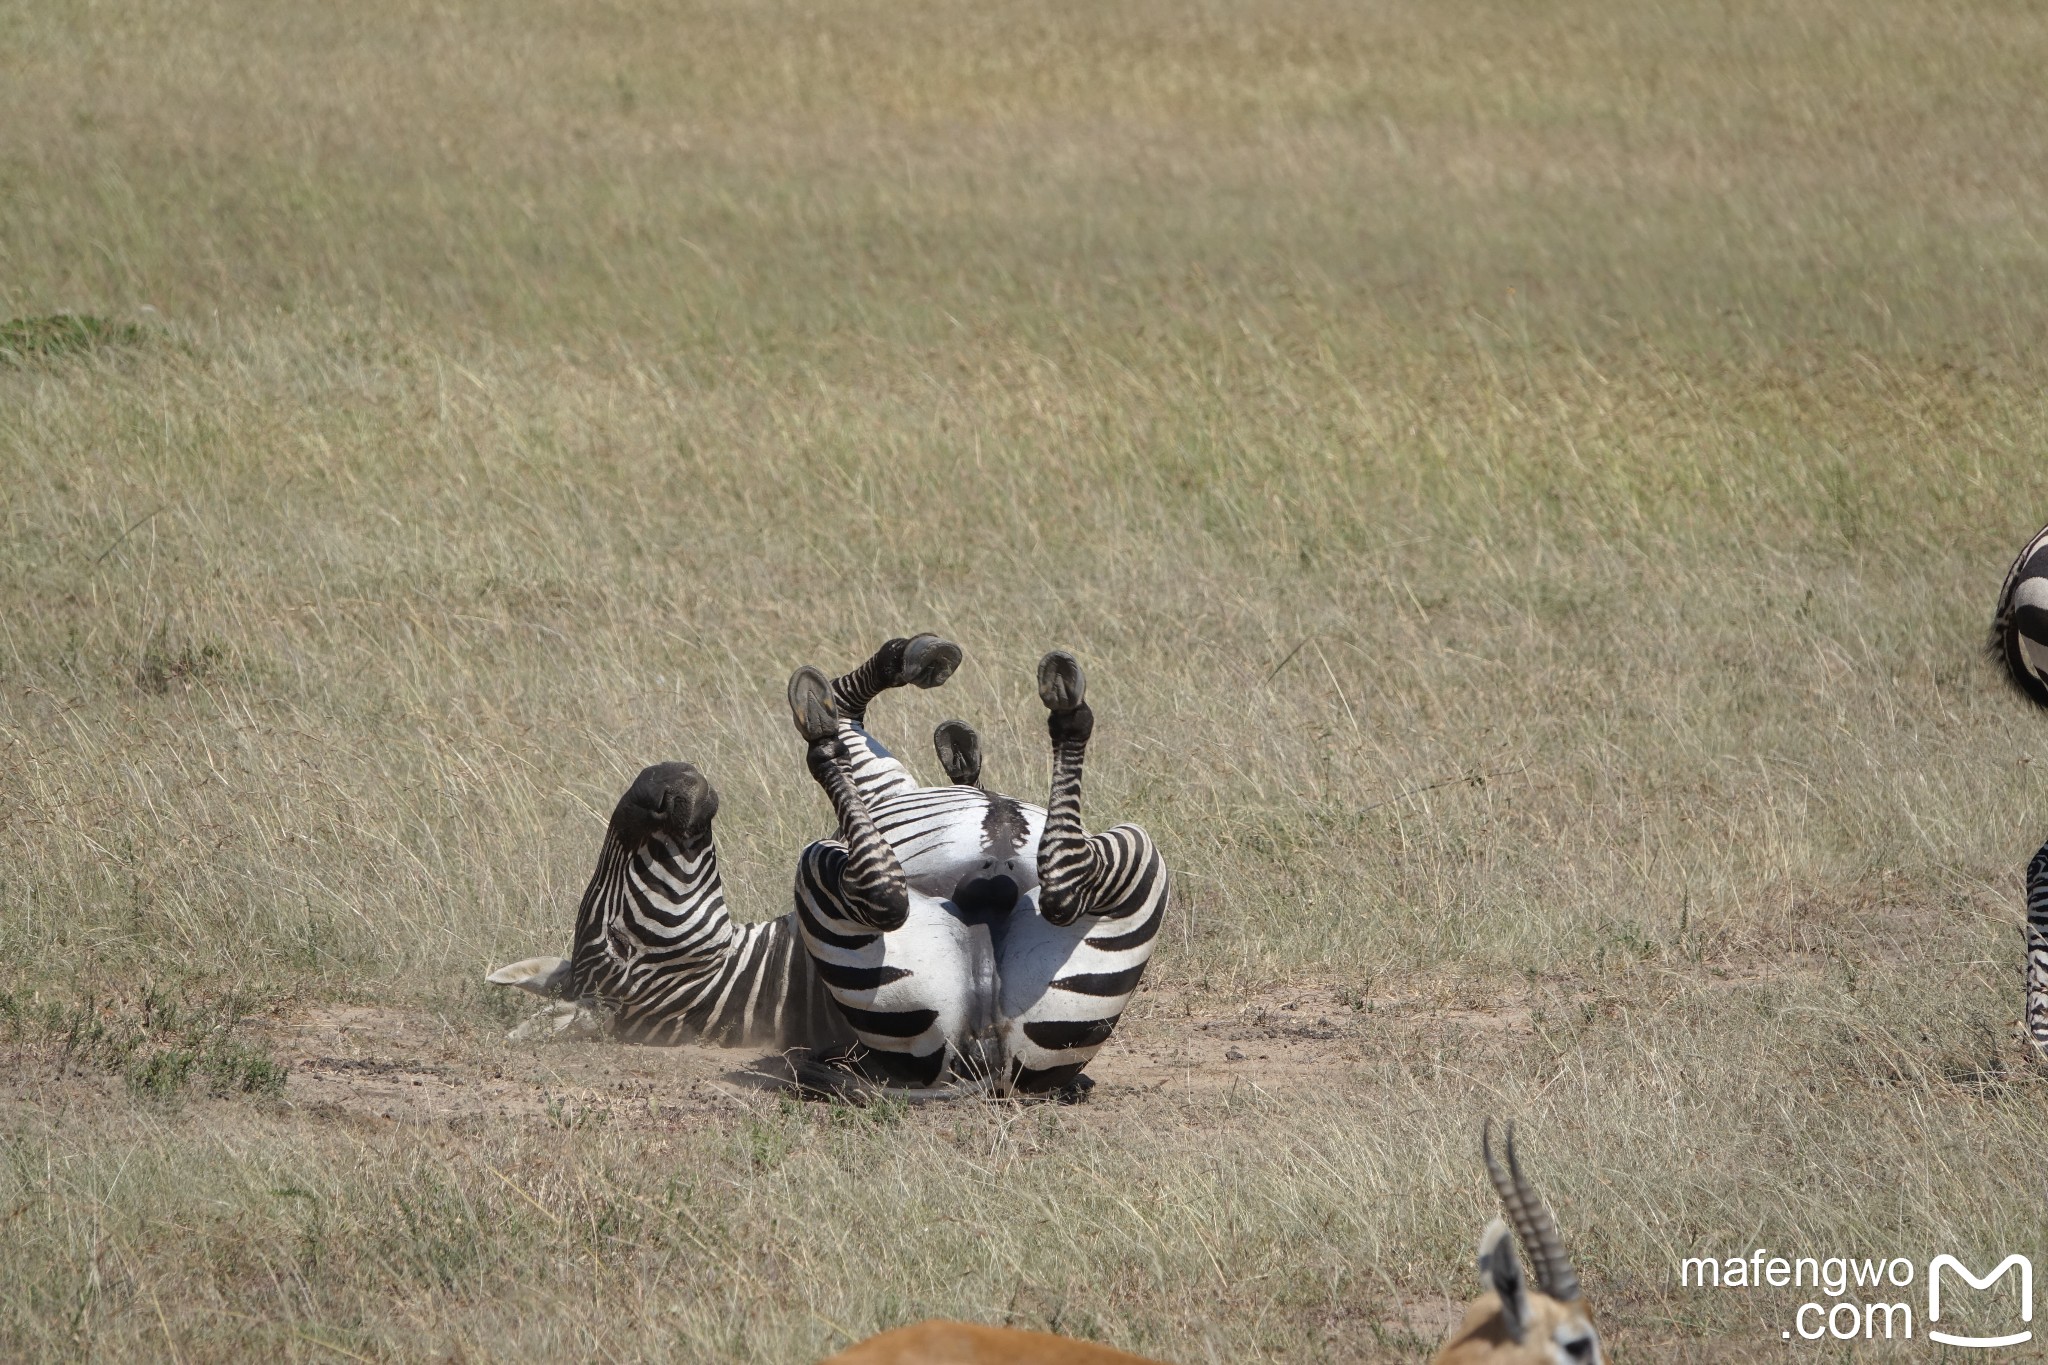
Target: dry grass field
[(1528, 483)]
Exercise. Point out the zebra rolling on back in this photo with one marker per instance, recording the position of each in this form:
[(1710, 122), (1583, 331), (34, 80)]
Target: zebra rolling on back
[(928, 949), (2019, 641), (968, 937)]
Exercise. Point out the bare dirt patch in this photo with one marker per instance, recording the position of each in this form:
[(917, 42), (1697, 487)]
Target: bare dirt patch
[(390, 1064), (384, 1063), (1275, 1037)]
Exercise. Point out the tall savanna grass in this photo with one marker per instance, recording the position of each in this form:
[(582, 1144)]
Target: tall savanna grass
[(1527, 483)]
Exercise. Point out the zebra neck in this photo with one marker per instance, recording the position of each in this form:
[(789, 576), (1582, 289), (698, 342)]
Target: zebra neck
[(668, 895), (2037, 892)]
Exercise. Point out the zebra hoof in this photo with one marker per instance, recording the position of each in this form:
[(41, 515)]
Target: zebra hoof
[(810, 705), (1060, 683), (959, 750), (928, 661), (1074, 1091)]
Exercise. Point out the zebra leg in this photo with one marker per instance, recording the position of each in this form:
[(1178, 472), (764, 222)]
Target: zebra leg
[(2037, 952), (1067, 863), (871, 880), (1066, 986), (1078, 873), (922, 661), (959, 750), (901, 993), (1116, 879)]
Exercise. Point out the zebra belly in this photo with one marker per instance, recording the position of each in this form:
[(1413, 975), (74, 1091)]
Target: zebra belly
[(948, 839)]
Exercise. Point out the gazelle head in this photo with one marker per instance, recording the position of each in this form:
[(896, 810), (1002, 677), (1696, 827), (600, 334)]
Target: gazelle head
[(1513, 1323)]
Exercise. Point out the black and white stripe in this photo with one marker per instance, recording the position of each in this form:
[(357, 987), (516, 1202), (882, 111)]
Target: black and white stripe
[(658, 957), (2019, 628), (2037, 951), (1022, 937)]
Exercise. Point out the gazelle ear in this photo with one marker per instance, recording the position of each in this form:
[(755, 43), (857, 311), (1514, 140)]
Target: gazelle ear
[(541, 975), (1502, 1273)]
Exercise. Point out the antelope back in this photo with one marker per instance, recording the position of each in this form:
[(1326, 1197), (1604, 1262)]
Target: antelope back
[(940, 1342), (1517, 1320)]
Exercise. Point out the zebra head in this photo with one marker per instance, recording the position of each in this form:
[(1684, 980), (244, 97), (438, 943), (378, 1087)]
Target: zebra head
[(655, 897), (1513, 1323), (666, 813)]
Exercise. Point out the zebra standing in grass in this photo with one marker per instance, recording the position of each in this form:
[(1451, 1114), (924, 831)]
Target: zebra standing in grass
[(949, 938), (2019, 640)]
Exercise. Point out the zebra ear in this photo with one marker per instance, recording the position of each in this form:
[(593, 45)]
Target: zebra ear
[(541, 975)]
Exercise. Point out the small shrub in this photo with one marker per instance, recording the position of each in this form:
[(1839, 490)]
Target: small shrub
[(54, 335), (166, 664), (160, 1045), (162, 1073)]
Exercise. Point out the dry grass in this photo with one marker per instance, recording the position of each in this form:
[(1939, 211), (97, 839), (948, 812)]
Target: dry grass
[(1527, 482)]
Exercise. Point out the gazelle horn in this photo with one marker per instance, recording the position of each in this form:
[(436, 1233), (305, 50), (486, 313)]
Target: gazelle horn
[(1534, 1227)]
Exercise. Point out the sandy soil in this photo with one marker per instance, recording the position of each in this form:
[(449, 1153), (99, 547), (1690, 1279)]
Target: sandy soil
[(373, 1065), (376, 1063)]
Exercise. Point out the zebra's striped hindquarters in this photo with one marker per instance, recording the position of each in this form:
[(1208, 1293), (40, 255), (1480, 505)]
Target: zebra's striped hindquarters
[(1091, 967), (2019, 628), (977, 986)]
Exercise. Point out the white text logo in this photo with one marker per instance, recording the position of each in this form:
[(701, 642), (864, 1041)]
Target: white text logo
[(1939, 1263), (1862, 1298)]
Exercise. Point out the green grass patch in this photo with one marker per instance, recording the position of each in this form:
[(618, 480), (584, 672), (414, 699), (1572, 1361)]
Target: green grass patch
[(164, 1045), (53, 336)]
